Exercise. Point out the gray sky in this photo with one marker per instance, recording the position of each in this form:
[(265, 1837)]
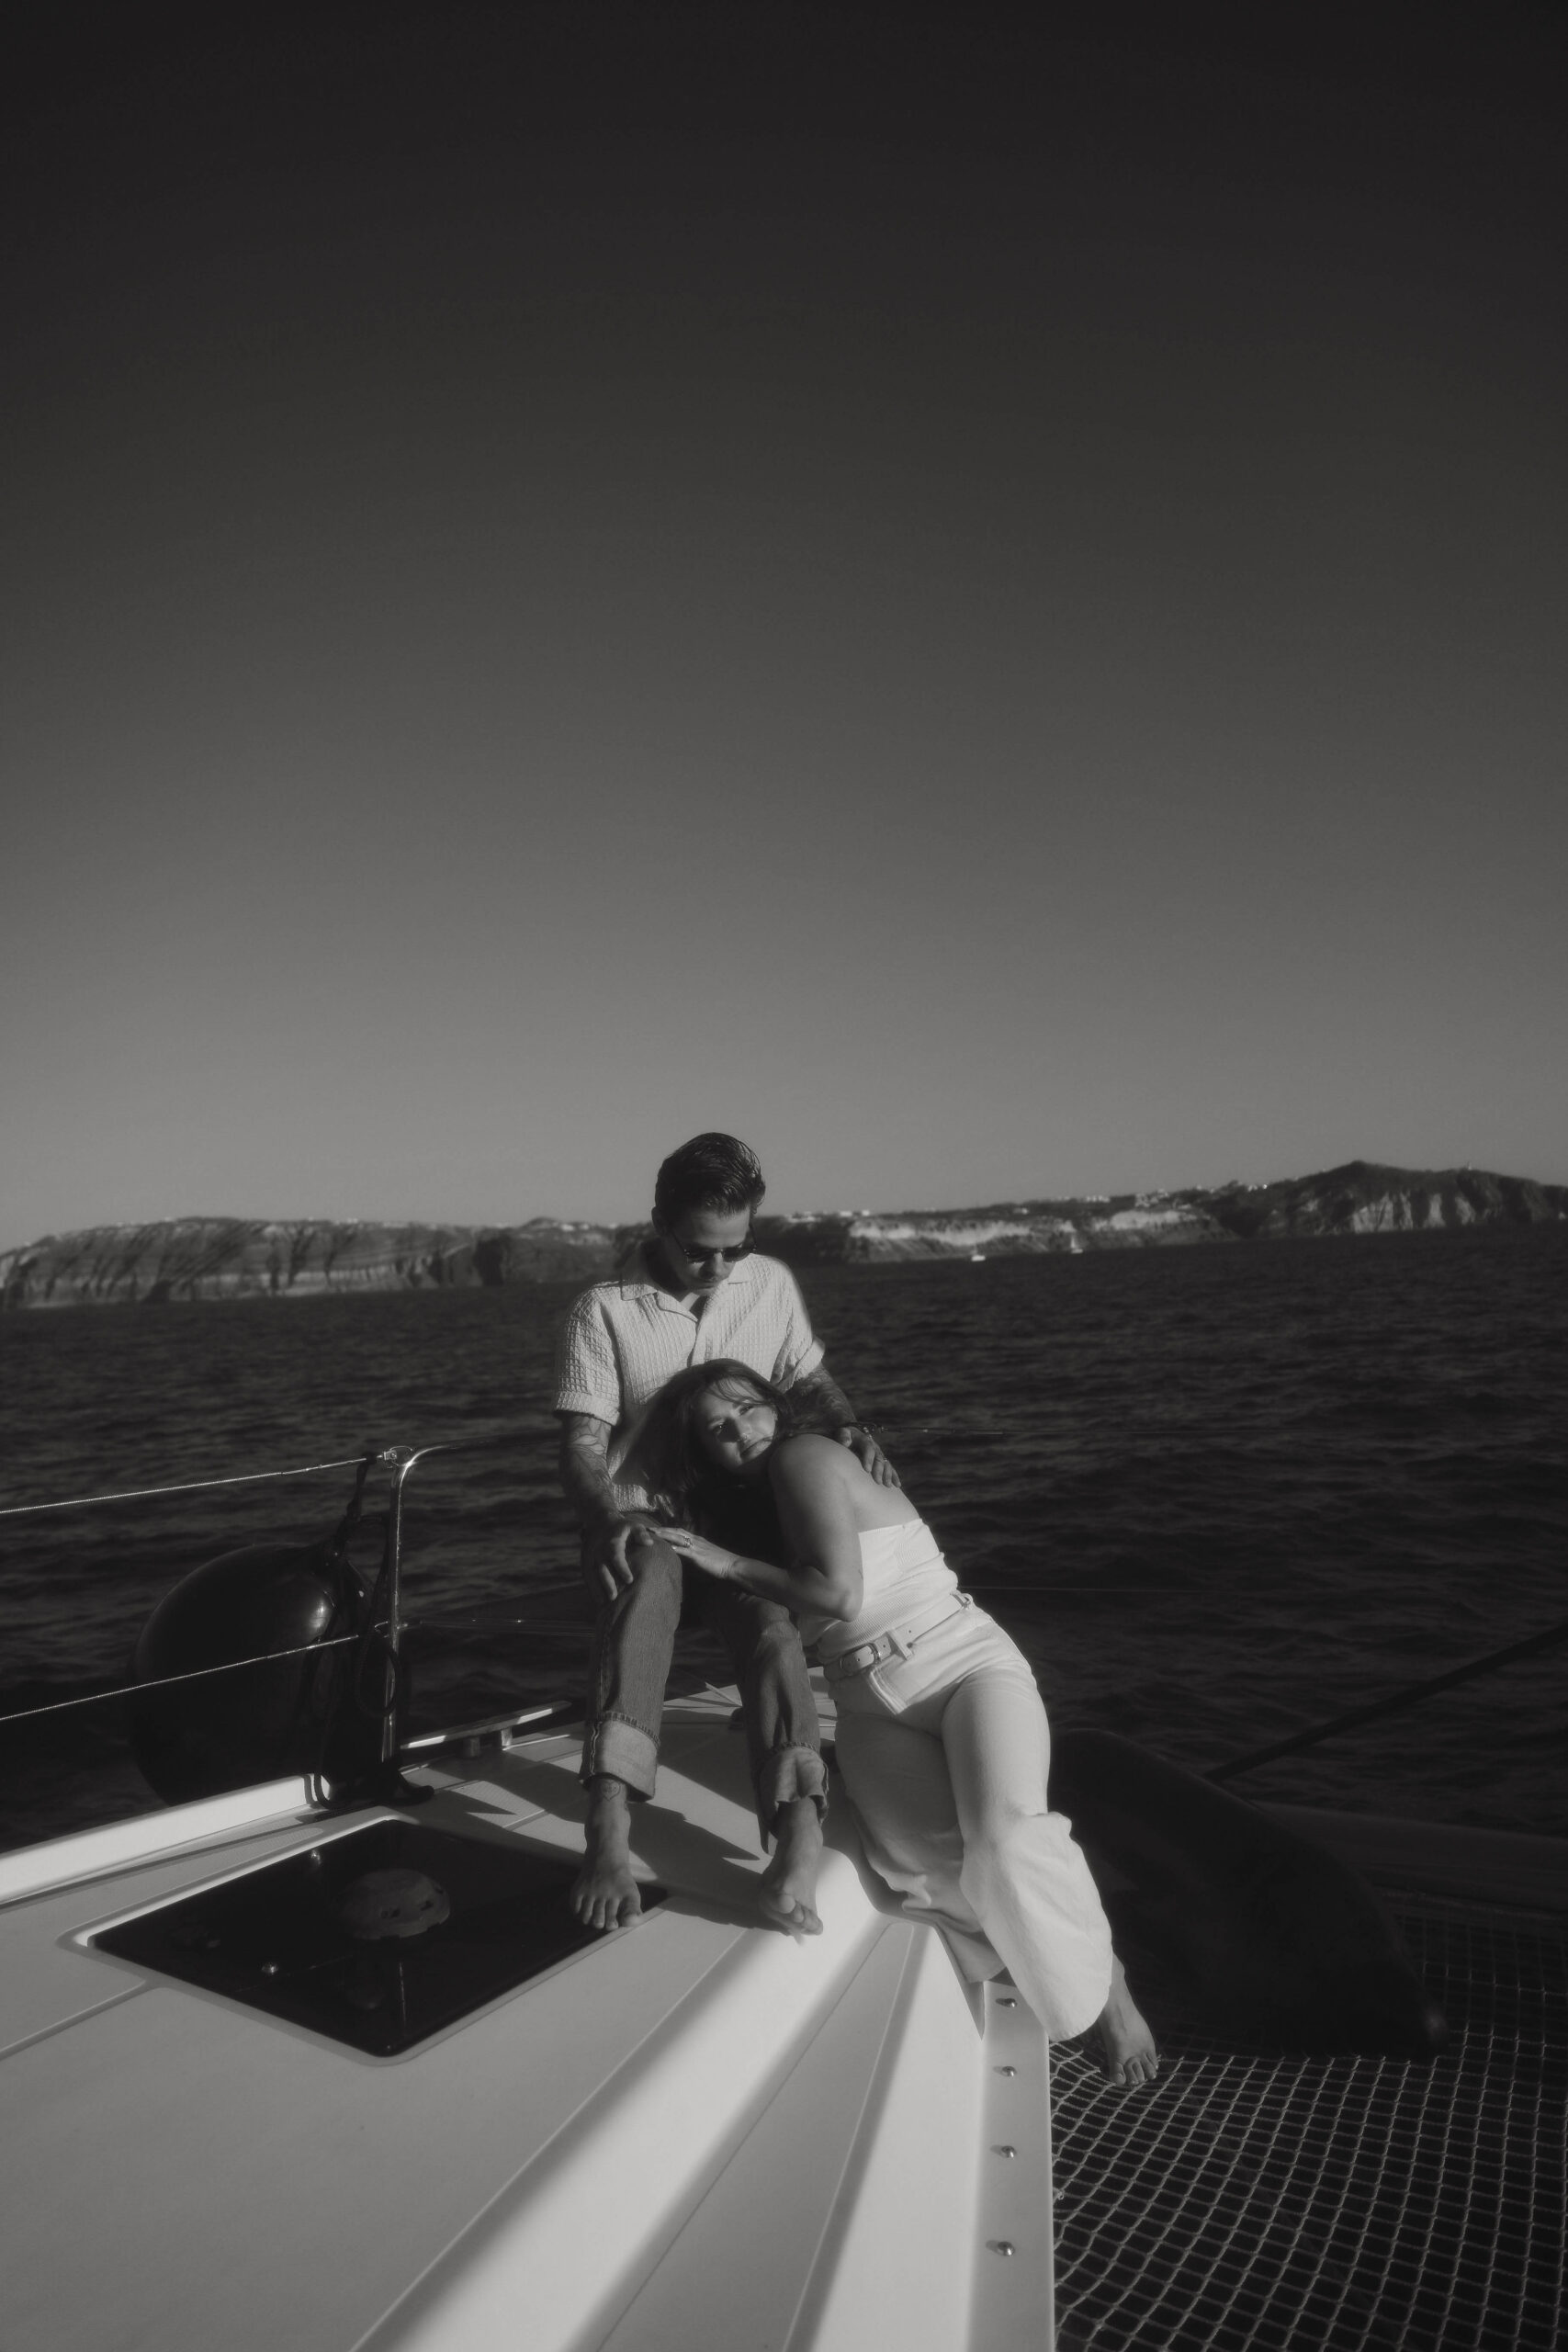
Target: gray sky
[(985, 613)]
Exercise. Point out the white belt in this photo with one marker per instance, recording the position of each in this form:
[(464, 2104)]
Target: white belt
[(899, 1642)]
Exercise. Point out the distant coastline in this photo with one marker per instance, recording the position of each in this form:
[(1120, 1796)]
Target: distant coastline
[(200, 1257)]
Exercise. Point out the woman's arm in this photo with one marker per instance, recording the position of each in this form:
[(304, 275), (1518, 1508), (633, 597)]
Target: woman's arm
[(803, 1591), (811, 1479)]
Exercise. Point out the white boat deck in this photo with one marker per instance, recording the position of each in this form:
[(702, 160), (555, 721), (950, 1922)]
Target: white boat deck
[(695, 2135)]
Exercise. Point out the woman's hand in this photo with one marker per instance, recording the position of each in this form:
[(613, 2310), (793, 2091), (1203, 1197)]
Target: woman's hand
[(712, 1559)]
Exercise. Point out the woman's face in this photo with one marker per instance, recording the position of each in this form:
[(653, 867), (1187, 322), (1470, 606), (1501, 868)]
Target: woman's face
[(736, 1428)]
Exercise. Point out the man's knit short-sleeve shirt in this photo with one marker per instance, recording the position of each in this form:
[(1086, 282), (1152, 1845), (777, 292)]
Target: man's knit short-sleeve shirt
[(624, 1339)]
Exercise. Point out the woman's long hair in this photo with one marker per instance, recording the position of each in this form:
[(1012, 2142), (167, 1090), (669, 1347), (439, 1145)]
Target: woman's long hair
[(669, 1456)]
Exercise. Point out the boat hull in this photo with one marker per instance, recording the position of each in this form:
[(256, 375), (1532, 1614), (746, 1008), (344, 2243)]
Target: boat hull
[(696, 2131)]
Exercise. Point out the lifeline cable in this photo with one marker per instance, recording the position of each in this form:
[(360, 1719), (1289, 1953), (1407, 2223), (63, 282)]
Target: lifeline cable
[(195, 1674), (195, 1486), (336, 1555)]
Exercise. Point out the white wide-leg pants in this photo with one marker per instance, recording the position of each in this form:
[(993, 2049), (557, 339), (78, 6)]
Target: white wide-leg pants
[(943, 1754)]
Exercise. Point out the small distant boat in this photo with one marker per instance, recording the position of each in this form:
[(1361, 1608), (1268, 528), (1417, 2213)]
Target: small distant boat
[(977, 1257)]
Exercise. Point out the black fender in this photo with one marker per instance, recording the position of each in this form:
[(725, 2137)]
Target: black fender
[(256, 1722)]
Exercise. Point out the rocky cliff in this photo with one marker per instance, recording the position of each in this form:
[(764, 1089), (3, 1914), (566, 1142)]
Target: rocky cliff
[(236, 1258), (1363, 1198), (1358, 1198), (193, 1258)]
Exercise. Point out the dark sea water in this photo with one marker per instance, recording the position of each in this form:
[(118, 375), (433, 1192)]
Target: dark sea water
[(1218, 1494)]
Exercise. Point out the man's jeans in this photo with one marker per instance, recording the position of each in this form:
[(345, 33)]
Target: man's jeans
[(634, 1640)]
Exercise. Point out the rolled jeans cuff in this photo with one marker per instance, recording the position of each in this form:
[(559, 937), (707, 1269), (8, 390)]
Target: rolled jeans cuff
[(787, 1773), (618, 1750)]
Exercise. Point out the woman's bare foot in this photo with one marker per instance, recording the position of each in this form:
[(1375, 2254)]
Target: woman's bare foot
[(604, 1894), (787, 1893), (1131, 2058)]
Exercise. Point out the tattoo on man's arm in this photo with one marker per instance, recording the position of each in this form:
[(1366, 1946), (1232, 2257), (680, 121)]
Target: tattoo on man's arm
[(829, 1399), (584, 1465)]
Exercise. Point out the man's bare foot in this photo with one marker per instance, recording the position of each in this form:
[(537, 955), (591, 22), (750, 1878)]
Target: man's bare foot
[(604, 1894), (1131, 2058), (787, 1893)]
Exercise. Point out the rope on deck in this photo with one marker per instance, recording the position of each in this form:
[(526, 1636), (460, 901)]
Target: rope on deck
[(1409, 1697)]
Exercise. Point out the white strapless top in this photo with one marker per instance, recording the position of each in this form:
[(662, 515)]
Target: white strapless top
[(903, 1572)]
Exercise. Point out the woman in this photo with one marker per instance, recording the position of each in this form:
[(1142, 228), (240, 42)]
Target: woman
[(941, 1738)]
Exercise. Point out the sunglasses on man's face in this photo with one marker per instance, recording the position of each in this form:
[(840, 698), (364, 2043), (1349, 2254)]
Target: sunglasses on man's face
[(714, 1257)]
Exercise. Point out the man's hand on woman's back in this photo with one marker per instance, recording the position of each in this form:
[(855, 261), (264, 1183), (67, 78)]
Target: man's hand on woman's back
[(869, 1454)]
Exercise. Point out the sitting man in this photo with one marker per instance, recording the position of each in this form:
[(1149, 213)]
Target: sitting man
[(694, 1291)]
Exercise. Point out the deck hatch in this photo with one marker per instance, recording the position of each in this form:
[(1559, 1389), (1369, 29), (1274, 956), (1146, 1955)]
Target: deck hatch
[(281, 1938)]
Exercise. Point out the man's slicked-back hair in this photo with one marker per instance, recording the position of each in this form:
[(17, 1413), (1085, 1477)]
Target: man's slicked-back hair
[(712, 1172)]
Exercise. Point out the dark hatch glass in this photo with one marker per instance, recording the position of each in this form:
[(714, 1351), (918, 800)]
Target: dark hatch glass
[(276, 1939)]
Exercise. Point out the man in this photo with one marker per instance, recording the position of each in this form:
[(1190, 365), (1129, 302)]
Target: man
[(695, 1291)]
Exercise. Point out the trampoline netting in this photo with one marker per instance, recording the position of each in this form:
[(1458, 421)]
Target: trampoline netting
[(1261, 2200)]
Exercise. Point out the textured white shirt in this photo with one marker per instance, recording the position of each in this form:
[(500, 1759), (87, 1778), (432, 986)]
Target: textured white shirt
[(624, 1339)]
